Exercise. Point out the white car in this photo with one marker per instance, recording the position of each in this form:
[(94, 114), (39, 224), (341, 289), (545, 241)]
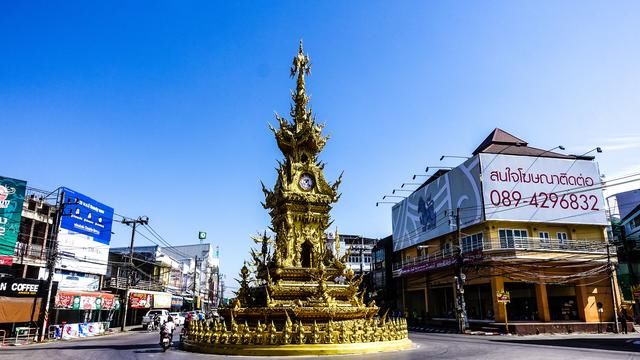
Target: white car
[(177, 318), (148, 318)]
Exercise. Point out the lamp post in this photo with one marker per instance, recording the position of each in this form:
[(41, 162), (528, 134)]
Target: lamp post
[(394, 190), (438, 167), (454, 157), (385, 202), (393, 196)]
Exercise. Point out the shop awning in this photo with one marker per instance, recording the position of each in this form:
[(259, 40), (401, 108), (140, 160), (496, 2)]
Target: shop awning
[(15, 310)]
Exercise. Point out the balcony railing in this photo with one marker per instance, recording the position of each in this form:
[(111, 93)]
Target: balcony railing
[(546, 244), (30, 251), (121, 283), (445, 257)]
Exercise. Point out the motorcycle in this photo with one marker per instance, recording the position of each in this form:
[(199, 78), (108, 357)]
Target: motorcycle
[(154, 325), (166, 341)]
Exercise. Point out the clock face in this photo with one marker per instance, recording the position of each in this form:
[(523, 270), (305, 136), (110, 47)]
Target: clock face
[(306, 182)]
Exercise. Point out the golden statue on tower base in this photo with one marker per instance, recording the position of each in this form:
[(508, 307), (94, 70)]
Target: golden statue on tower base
[(300, 298)]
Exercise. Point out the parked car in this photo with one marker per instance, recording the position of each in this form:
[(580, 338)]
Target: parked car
[(177, 318), (148, 318)]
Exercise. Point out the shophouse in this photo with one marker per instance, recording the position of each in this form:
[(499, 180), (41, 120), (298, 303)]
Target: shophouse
[(201, 274), (359, 250), (516, 219), (624, 234), (380, 284)]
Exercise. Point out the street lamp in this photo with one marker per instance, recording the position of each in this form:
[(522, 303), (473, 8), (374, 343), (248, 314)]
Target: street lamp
[(394, 190), (393, 196), (438, 167), (454, 156), (385, 202)]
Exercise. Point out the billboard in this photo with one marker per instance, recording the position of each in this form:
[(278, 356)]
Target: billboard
[(11, 198), (524, 188), (85, 233), (79, 282), (428, 212)]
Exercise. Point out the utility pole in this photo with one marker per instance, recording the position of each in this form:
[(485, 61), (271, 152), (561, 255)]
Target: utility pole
[(613, 289), (142, 220), (361, 256), (195, 282), (461, 307), (51, 264)]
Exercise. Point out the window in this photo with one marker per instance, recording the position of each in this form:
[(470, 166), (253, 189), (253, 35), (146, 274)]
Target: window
[(472, 242), (544, 239), (447, 248), (510, 237), (636, 222), (562, 239)]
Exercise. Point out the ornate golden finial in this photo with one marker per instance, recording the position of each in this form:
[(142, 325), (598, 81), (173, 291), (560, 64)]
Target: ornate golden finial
[(301, 66)]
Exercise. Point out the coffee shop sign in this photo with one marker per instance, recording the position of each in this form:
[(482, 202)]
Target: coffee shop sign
[(19, 287)]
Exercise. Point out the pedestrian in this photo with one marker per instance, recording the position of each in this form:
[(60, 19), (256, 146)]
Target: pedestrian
[(623, 319)]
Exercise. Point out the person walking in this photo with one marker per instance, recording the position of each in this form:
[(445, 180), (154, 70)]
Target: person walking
[(623, 320)]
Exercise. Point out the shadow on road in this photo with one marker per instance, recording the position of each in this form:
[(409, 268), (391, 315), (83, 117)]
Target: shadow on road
[(76, 346), (150, 351), (625, 344)]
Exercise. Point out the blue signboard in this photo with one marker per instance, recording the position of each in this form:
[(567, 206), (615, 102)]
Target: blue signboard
[(87, 216)]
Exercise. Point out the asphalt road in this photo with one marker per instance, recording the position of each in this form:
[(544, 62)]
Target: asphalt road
[(144, 345)]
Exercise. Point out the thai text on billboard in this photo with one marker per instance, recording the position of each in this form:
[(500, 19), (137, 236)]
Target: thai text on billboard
[(429, 211), (11, 198), (524, 188), (85, 233)]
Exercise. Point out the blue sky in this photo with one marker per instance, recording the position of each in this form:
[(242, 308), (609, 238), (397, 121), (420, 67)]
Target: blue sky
[(161, 108)]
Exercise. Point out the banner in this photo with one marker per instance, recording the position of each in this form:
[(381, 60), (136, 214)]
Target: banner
[(77, 282), (85, 233), (526, 188), (69, 331), (428, 212), (84, 301), (161, 301), (140, 300), (72, 331), (11, 198)]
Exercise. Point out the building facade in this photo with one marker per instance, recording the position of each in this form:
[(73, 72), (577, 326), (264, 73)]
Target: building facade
[(359, 249), (511, 218)]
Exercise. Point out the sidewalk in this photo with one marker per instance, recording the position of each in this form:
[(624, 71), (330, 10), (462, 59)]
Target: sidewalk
[(109, 332)]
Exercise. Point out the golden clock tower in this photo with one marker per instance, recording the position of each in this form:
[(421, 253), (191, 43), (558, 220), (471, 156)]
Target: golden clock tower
[(299, 298), (301, 199)]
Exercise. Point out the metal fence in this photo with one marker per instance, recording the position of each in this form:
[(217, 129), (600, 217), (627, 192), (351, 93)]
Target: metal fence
[(513, 243)]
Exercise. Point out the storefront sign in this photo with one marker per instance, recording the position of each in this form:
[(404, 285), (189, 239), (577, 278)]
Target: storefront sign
[(428, 212), (84, 234), (526, 188), (161, 301), (22, 287), (140, 300), (468, 258), (503, 297), (84, 301), (76, 281), (176, 301), (11, 198)]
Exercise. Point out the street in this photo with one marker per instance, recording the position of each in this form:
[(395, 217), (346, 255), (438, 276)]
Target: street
[(143, 345)]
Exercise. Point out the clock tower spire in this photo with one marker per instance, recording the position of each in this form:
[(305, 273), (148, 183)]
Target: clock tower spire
[(301, 199)]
